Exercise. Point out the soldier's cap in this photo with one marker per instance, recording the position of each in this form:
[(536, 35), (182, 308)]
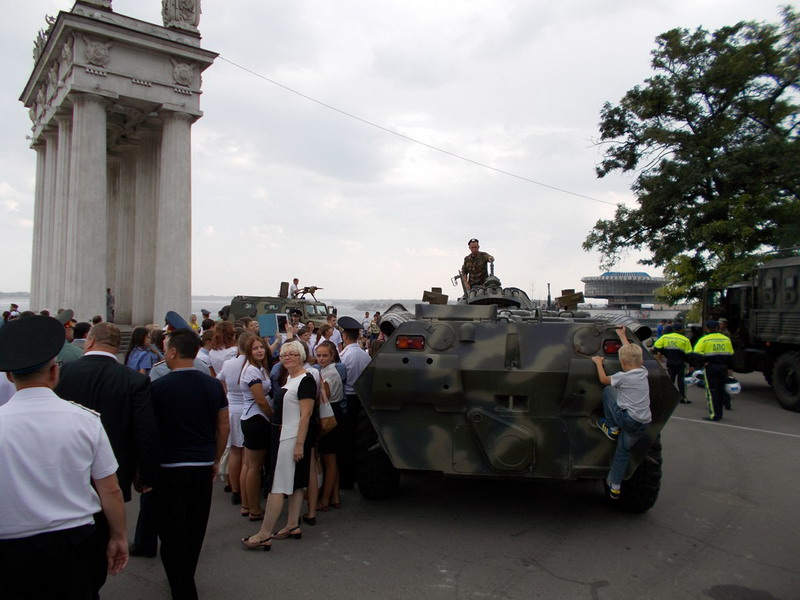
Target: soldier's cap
[(712, 324), (348, 323), (205, 311), (296, 311), (175, 321), (28, 344), (723, 320), (473, 240), (65, 317)]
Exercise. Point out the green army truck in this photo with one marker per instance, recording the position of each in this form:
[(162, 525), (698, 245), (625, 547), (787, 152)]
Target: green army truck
[(763, 317), (492, 387)]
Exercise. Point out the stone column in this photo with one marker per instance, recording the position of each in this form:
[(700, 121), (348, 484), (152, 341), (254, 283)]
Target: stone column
[(61, 211), (144, 268), (113, 216), (174, 240), (50, 261), (36, 258), (126, 224), (86, 273)]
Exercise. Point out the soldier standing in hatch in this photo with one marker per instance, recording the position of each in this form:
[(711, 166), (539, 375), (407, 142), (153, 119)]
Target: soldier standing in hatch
[(475, 269)]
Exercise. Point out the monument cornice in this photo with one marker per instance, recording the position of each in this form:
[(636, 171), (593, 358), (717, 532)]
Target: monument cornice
[(121, 29)]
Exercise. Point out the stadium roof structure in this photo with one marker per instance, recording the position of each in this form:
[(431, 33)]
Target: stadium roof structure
[(623, 289)]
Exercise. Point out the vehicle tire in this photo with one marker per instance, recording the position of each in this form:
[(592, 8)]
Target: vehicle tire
[(640, 492), (376, 476), (786, 380)]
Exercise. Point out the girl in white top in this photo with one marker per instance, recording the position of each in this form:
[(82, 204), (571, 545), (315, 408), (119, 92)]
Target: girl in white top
[(223, 345), (313, 341), (329, 444), (229, 376), (254, 384)]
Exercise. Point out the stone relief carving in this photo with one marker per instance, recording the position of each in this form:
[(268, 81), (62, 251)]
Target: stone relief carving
[(41, 38), (66, 51), (98, 53), (183, 73), (52, 75), (182, 14)]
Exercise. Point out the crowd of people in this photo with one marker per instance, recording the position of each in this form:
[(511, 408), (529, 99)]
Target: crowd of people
[(188, 402)]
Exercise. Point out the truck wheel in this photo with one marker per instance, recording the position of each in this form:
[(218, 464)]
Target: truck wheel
[(377, 478), (786, 380), (640, 492)]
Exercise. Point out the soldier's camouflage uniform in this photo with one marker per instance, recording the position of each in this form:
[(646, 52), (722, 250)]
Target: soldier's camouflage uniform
[(475, 268)]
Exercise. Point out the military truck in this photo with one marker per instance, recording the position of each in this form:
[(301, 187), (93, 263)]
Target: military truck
[(764, 322), (492, 387), (252, 306)]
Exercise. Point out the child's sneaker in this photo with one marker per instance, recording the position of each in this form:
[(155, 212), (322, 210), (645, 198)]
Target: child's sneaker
[(611, 434), (613, 494)]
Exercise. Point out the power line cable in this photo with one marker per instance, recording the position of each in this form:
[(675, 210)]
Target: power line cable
[(411, 139)]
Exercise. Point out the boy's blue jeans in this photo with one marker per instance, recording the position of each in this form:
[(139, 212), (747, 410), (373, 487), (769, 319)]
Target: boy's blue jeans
[(630, 431)]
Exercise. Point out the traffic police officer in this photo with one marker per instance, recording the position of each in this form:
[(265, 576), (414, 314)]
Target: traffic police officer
[(675, 347), (51, 451), (714, 352)]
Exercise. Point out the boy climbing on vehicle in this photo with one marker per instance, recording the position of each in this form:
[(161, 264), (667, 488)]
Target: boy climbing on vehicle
[(626, 405)]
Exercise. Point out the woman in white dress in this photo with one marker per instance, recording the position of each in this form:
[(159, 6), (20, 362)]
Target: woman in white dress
[(294, 434)]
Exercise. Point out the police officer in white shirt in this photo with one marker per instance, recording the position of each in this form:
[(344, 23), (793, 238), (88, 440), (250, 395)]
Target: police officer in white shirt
[(355, 359), (51, 451)]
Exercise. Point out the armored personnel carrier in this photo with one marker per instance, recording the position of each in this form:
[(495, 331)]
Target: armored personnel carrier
[(253, 306), (493, 387)]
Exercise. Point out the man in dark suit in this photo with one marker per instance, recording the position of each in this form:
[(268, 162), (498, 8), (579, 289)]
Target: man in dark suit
[(122, 397)]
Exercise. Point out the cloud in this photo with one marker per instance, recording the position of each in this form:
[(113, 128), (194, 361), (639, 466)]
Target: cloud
[(429, 252), (350, 245)]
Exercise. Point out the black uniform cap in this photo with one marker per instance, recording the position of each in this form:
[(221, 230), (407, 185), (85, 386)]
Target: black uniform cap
[(29, 343), (348, 323)]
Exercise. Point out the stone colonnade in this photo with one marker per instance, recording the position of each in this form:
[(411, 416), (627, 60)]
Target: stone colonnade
[(102, 218), (113, 100)]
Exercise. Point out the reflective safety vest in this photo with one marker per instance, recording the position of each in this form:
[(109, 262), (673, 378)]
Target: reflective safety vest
[(715, 348)]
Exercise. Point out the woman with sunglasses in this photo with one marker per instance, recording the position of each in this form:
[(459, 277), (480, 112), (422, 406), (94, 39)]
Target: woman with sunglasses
[(294, 432)]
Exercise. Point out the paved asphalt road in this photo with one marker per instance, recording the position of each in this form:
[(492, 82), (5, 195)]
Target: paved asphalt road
[(726, 526)]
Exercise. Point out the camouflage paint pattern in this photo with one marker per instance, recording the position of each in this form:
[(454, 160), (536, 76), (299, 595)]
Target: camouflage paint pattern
[(500, 390)]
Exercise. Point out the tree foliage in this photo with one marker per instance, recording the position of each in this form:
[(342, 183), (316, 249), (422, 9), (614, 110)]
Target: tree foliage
[(713, 140)]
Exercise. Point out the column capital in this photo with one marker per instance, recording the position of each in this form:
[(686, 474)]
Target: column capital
[(86, 97), (166, 113)]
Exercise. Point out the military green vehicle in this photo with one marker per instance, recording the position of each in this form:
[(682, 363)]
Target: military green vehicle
[(492, 387), (764, 325), (252, 306)]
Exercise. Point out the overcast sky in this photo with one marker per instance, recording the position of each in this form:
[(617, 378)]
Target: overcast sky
[(284, 187)]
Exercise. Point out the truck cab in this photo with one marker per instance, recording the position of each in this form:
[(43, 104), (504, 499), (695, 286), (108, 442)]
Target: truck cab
[(764, 323)]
